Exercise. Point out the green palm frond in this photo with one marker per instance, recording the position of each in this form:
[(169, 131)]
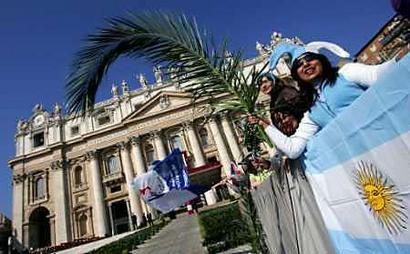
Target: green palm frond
[(173, 41), (242, 88), (168, 39)]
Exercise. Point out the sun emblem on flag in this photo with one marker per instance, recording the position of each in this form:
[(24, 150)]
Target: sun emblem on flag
[(381, 197)]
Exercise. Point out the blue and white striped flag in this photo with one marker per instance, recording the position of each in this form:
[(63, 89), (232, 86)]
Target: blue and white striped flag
[(359, 169)]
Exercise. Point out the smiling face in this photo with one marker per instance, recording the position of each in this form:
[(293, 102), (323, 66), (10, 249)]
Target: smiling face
[(266, 85), (309, 69)]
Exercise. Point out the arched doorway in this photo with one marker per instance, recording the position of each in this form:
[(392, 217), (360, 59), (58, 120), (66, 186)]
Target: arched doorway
[(39, 228)]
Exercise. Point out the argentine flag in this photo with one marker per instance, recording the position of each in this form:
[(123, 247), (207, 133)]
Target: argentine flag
[(359, 169)]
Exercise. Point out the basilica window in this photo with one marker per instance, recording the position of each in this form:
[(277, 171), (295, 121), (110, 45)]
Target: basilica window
[(112, 165), (38, 139), (78, 176), (75, 130), (103, 120), (203, 136), (115, 188), (82, 224), (149, 153), (176, 142), (39, 188)]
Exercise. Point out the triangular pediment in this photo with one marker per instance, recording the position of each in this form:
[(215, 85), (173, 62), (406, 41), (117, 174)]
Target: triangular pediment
[(162, 102)]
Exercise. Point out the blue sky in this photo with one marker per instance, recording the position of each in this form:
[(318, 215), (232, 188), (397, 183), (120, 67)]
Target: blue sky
[(39, 38)]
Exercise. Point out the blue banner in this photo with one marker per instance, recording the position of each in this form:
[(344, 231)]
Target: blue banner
[(173, 170), (166, 185)]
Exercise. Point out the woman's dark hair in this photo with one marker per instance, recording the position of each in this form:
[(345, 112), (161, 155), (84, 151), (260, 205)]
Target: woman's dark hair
[(268, 75), (329, 73), (291, 101)]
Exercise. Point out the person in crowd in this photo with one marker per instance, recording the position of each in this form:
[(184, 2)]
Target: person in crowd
[(149, 219), (335, 89), (287, 106), (287, 103)]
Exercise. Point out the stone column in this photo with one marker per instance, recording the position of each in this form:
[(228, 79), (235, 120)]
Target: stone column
[(196, 147), (230, 136), (159, 145), (100, 215), (129, 177), (220, 145), (60, 200), (53, 231), (18, 206), (26, 233), (111, 219), (161, 152), (140, 168), (131, 225), (139, 157)]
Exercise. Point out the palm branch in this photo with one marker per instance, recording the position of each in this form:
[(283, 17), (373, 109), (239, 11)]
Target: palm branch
[(168, 39), (171, 40)]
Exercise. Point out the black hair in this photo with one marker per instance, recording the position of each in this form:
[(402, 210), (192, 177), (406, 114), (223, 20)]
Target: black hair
[(291, 101), (268, 75), (329, 73)]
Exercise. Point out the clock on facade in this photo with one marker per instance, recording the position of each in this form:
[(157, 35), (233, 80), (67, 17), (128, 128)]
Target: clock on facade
[(38, 120)]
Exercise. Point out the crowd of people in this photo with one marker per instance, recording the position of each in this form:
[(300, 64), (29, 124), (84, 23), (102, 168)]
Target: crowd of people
[(323, 92)]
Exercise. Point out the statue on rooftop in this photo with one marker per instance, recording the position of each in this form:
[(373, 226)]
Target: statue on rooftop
[(38, 107), (114, 90), (261, 49), (21, 125), (276, 38), (143, 81), (57, 109), (125, 88), (158, 74)]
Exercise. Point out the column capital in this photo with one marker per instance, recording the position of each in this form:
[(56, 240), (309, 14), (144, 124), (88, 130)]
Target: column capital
[(91, 155), (74, 161), (57, 165), (213, 118), (19, 178), (135, 140), (188, 125), (123, 145), (155, 134)]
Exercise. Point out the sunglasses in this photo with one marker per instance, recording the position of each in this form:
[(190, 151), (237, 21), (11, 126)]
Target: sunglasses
[(305, 58)]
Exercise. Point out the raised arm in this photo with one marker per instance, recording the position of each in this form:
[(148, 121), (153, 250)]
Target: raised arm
[(365, 75)]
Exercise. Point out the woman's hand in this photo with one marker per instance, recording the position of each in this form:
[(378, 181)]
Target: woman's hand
[(252, 119)]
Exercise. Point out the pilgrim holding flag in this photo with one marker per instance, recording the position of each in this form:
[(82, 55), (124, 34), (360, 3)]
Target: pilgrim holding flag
[(355, 145)]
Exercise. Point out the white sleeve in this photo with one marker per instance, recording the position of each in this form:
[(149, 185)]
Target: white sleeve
[(294, 145), (365, 75)]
